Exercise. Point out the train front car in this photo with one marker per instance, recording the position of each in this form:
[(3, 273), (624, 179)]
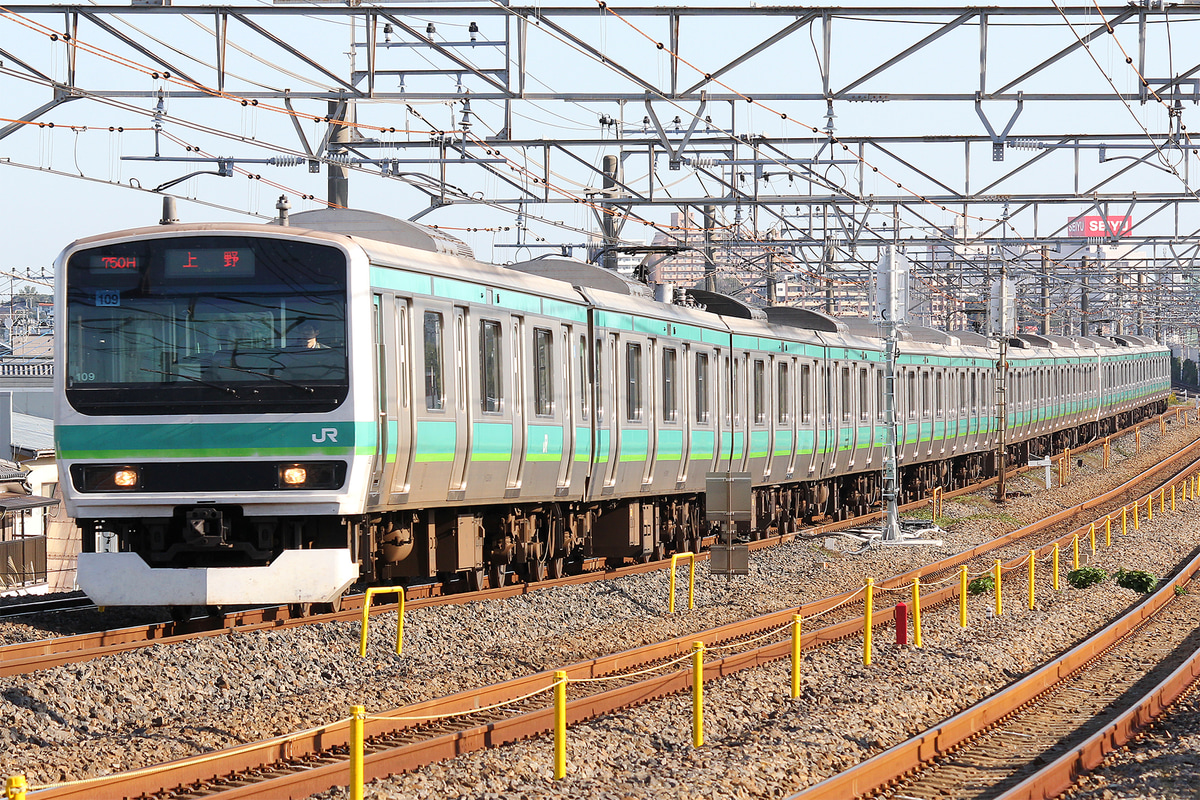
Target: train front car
[(205, 417)]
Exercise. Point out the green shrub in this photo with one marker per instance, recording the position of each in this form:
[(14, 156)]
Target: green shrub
[(1137, 580), (981, 585), (1084, 577)]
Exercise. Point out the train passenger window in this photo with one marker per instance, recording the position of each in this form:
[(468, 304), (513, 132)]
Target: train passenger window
[(701, 387), (543, 372), (435, 396), (585, 396), (760, 391), (402, 352), (806, 392), (880, 401), (939, 395), (734, 389), (925, 404), (633, 382), (784, 408), (845, 386), (910, 393), (862, 393), (962, 392), (489, 366), (670, 404)]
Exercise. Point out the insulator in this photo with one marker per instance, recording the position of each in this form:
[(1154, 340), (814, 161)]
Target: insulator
[(339, 158), (285, 161), (1026, 144), (704, 162)]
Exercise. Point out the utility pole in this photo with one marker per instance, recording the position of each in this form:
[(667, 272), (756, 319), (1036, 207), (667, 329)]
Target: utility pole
[(1084, 299), (710, 264), (341, 118), (1045, 291)]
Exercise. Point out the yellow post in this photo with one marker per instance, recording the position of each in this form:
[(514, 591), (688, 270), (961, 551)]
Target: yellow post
[(399, 592), (697, 693), (358, 715), (962, 596), (1150, 508), (1032, 563), (1172, 497), (1124, 520), (560, 724), (1056, 566), (1137, 440), (1092, 537), (796, 624), (867, 625), (675, 559), (1106, 451), (14, 787), (1162, 501), (999, 591), (916, 611), (1137, 523), (1108, 531), (1075, 551)]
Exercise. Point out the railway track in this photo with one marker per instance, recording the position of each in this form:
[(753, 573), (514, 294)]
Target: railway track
[(1035, 737), (25, 657), (406, 738)]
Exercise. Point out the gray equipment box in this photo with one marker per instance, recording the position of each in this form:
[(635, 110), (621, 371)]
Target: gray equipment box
[(725, 559)]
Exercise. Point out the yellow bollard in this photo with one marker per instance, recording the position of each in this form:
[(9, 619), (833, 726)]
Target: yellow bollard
[(867, 614), (1106, 451), (1124, 521), (1108, 531), (916, 611), (999, 591), (1137, 523), (560, 724), (1075, 551), (15, 787), (962, 597), (697, 693), (1150, 508), (675, 559), (1162, 501), (1172, 497), (1032, 563), (1056, 566), (1092, 538), (399, 592), (358, 715), (796, 625), (1137, 440)]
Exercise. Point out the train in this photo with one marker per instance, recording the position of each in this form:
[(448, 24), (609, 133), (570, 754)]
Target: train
[(270, 413)]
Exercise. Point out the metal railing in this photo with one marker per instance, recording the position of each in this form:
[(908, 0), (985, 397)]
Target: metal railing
[(22, 562)]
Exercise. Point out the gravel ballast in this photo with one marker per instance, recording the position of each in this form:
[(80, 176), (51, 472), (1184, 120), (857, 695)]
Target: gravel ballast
[(169, 701)]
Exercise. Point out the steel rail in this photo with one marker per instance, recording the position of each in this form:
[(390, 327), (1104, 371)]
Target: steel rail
[(25, 657), (313, 760)]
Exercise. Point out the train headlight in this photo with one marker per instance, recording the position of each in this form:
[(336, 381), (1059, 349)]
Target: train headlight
[(310, 475), (294, 476), (126, 478)]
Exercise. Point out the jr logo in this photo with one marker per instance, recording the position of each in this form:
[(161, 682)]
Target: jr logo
[(326, 435)]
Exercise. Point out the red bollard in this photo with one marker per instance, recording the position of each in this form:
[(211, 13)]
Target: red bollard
[(901, 623)]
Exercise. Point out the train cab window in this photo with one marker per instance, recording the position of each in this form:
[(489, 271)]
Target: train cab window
[(670, 403), (435, 395), (701, 387), (489, 366), (845, 393), (806, 392), (910, 393), (760, 392), (784, 407), (543, 373), (633, 382), (863, 396)]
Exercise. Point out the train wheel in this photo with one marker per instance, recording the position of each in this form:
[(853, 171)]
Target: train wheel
[(180, 613), (558, 568), (497, 576), (299, 610), (535, 571), (327, 608)]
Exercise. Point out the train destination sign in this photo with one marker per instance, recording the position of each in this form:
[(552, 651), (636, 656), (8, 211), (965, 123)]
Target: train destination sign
[(237, 262)]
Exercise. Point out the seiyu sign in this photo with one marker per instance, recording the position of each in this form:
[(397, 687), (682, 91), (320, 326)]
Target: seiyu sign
[(1092, 225)]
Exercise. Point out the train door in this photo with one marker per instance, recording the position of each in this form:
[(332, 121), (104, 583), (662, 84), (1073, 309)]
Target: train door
[(684, 379), (741, 411), (379, 462), (516, 466), (403, 425), (613, 428), (464, 432), (766, 413), (653, 412), (569, 390)]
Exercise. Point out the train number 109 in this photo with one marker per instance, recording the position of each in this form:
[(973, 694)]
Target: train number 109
[(84, 377)]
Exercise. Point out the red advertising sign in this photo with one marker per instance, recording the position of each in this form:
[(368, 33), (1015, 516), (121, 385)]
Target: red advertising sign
[(1092, 225)]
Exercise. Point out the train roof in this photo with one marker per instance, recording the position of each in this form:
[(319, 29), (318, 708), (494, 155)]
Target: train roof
[(581, 273), (381, 228)]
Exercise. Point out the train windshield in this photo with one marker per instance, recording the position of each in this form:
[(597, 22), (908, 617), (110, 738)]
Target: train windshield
[(206, 325)]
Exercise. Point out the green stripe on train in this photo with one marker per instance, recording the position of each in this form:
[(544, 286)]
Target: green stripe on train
[(216, 439)]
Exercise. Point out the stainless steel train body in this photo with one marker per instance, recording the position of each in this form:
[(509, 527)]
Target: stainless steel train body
[(256, 413)]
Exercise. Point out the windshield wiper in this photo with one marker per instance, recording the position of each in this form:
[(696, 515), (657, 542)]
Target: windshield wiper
[(223, 388), (268, 376)]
